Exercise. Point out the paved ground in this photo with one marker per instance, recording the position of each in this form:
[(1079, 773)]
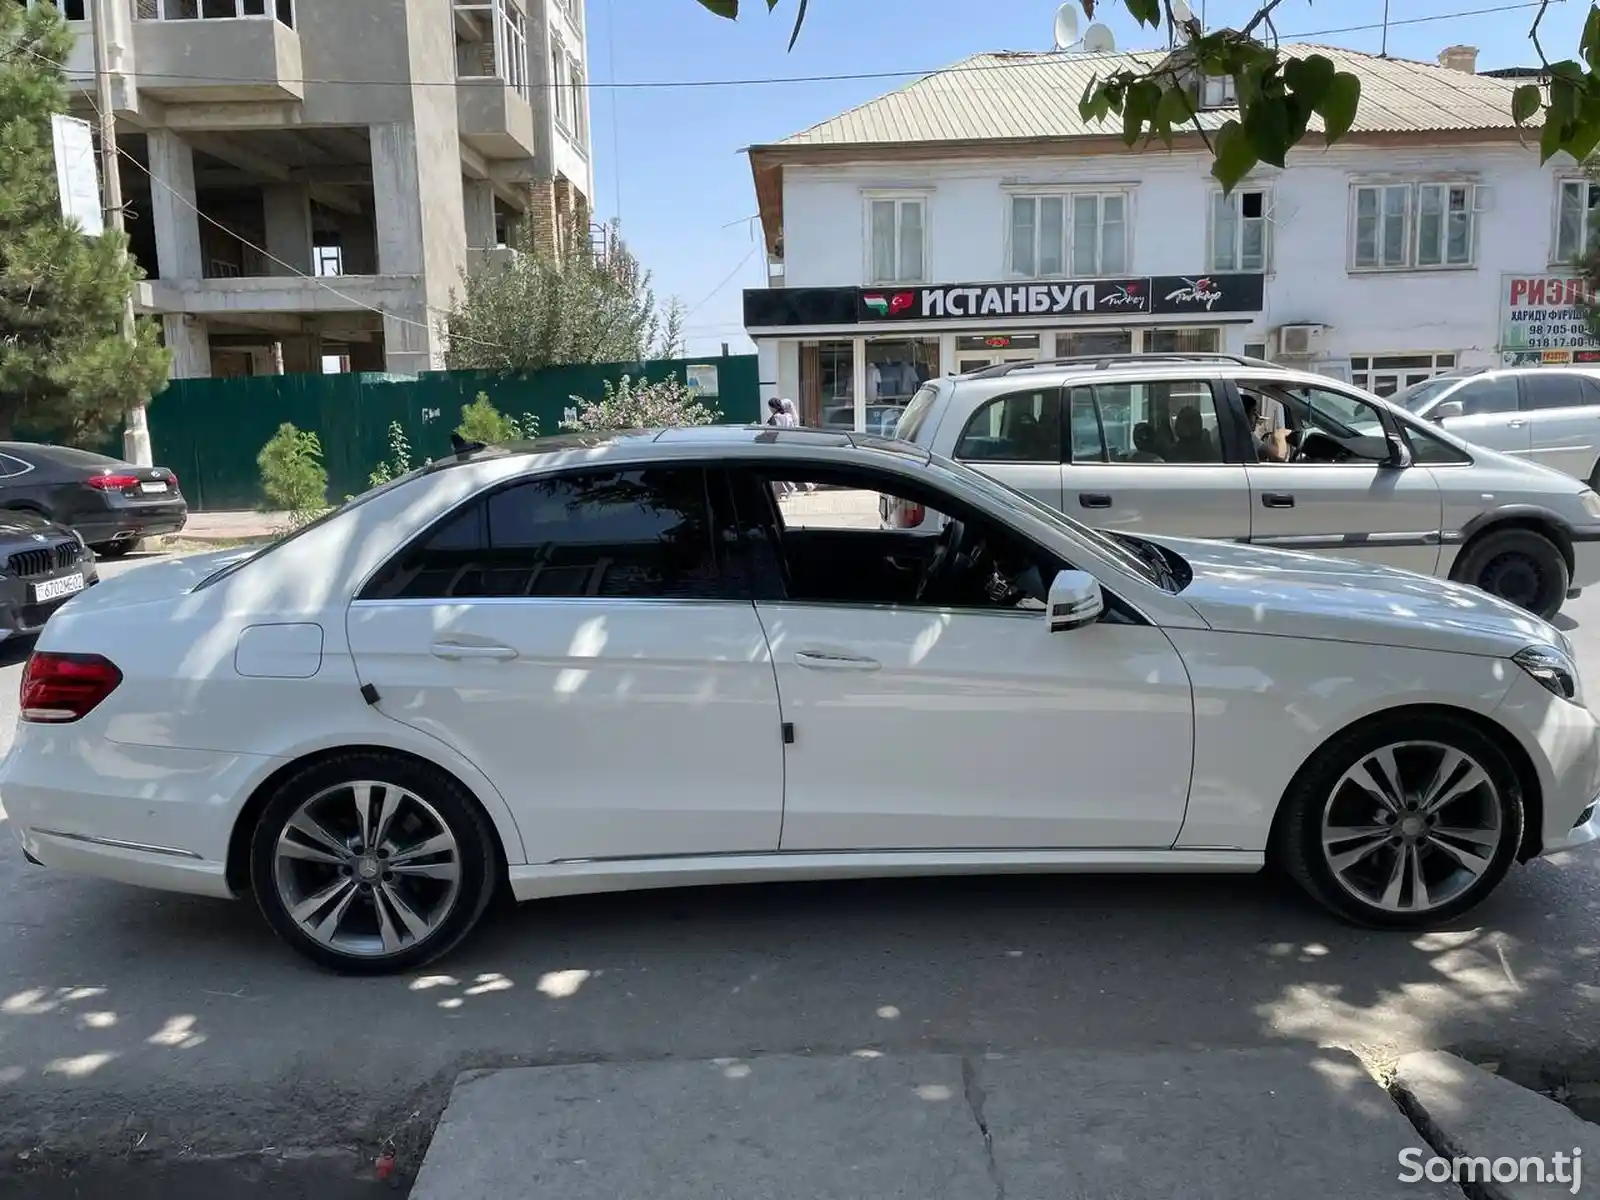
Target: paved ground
[(129, 1018)]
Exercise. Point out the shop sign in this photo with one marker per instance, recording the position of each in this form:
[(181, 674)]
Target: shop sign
[(1544, 321), (1145, 295)]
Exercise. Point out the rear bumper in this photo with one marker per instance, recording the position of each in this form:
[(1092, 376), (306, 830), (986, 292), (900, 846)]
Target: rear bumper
[(126, 524)]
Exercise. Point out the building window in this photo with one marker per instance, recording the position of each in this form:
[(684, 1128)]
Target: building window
[(505, 56), (328, 260), (560, 83), (1401, 226), (71, 10), (1078, 234), (1239, 231), (1218, 91), (1386, 374), (898, 232), (208, 10), (1578, 207), (580, 110), (1255, 350)]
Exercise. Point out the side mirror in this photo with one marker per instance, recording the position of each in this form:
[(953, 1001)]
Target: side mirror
[(1446, 409), (1399, 452), (1075, 601)]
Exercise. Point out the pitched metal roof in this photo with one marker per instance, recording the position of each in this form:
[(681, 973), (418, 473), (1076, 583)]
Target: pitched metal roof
[(1027, 95)]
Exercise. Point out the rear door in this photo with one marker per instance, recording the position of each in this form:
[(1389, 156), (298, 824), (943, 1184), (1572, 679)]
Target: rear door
[(1016, 438), (587, 642), (1563, 412), (1491, 415), (1156, 456)]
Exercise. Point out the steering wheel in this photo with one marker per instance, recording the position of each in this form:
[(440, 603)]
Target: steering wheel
[(945, 554)]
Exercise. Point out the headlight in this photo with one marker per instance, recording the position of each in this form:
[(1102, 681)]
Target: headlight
[(1590, 502), (1553, 669)]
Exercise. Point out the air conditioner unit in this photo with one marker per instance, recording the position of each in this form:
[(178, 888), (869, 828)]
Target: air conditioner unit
[(1299, 341)]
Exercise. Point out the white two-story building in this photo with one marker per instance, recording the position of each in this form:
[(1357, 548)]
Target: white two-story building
[(973, 216)]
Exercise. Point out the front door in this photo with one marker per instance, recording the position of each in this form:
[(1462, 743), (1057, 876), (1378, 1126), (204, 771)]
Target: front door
[(575, 638), (1563, 412), (1491, 414), (1353, 508), (922, 723)]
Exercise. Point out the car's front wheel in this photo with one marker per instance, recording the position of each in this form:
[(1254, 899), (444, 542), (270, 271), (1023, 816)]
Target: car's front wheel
[(1518, 565), (1403, 822), (370, 863)]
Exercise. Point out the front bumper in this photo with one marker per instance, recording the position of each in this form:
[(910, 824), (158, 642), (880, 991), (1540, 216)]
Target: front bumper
[(1585, 560), (21, 615), (1562, 741)]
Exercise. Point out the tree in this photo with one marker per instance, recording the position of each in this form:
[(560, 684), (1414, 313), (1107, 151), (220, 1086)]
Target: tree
[(578, 305), (1278, 95), (65, 368)]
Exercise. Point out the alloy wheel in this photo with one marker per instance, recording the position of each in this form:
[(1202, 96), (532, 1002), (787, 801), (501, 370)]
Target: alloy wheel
[(1412, 826), (367, 868)]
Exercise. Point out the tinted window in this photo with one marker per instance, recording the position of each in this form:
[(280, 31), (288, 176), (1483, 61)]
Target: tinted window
[(1551, 389), (638, 534), (1088, 440), (12, 467), (1493, 395), (1020, 427), (1170, 421), (1591, 393)]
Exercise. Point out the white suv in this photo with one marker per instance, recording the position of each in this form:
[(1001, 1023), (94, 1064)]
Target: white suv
[(1162, 444)]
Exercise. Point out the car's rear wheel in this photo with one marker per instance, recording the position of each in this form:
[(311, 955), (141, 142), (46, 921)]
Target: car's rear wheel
[(1403, 822), (371, 863), (1518, 565)]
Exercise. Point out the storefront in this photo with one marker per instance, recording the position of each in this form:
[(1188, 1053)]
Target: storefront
[(852, 358)]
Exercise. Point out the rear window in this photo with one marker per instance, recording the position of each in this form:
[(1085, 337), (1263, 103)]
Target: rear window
[(916, 413)]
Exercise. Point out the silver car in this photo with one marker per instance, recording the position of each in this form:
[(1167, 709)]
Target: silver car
[(1163, 444), (1547, 415)]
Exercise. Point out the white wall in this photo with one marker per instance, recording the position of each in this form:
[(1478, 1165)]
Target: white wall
[(1308, 281)]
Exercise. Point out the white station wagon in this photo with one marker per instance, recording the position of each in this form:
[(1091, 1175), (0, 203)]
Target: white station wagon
[(607, 663), (1161, 444)]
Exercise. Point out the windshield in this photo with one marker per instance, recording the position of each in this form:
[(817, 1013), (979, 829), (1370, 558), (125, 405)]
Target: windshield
[(1021, 503), (1419, 395)]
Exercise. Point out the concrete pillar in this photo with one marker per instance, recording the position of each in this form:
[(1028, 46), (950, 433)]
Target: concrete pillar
[(397, 199), (366, 356), (286, 208), (477, 198), (186, 338), (302, 354), (539, 221), (178, 254), (409, 342)]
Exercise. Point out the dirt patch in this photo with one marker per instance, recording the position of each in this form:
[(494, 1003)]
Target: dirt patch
[(328, 1176)]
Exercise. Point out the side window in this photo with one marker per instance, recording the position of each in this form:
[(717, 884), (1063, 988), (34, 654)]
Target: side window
[(1166, 421), (1083, 424), (1430, 451), (1019, 427), (1333, 427), (634, 534), (1551, 389), (916, 414), (10, 467), (1495, 394), (1591, 393)]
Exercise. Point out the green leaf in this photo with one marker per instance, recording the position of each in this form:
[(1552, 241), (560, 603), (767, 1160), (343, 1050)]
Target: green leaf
[(1176, 108), (1146, 12), (1138, 107), (722, 8), (1582, 140), (1266, 125), (1527, 100), (1234, 155), (1589, 43), (1338, 105), (1550, 140), (1309, 77)]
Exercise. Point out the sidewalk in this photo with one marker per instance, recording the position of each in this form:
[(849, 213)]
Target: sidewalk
[(232, 526), (1270, 1124)]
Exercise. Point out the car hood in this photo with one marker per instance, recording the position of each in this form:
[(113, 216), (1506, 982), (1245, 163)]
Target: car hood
[(21, 524), (1283, 593)]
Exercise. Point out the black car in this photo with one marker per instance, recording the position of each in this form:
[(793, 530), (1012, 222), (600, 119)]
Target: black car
[(42, 566), (112, 504)]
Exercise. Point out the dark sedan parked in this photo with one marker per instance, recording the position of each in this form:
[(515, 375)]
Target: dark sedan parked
[(111, 504), (42, 566)]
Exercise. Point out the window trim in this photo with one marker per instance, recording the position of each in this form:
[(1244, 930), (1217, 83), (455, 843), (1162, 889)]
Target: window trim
[(559, 85), (922, 196), (1237, 261), (1587, 233), (1067, 194), (1413, 224), (1226, 93), (1370, 370)]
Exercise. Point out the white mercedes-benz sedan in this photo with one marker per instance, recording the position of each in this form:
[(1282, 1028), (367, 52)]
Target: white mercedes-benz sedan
[(592, 664)]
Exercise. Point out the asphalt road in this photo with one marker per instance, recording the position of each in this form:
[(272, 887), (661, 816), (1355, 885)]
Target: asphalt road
[(135, 1019)]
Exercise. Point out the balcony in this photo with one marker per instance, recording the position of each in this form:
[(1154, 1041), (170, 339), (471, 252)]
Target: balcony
[(206, 50), (494, 102)]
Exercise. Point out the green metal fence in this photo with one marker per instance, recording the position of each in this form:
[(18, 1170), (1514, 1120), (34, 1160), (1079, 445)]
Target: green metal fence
[(210, 430)]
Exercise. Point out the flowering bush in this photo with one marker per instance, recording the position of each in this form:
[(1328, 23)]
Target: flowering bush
[(630, 405)]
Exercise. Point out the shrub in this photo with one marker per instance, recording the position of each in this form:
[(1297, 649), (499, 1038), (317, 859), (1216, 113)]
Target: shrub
[(399, 460), (482, 422), (629, 405), (292, 474)]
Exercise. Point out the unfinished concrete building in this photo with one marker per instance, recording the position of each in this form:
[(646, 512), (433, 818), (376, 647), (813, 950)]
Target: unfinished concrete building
[(307, 179)]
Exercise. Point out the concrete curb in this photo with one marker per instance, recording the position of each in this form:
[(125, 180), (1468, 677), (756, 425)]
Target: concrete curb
[(1465, 1112)]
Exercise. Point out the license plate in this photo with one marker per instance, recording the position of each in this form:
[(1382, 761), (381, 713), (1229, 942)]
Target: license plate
[(152, 487), (54, 589)]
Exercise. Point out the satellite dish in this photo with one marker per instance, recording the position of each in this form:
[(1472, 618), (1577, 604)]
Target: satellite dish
[(1098, 39), (1181, 12), (1066, 27)]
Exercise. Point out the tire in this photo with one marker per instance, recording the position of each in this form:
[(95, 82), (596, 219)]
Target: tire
[(383, 920), (1518, 565), (1361, 887), (114, 549)]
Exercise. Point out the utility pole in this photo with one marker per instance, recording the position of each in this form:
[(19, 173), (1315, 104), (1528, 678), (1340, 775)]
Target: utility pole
[(136, 437)]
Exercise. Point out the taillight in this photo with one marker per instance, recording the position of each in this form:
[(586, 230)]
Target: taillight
[(60, 688), (112, 483), (173, 475), (908, 515)]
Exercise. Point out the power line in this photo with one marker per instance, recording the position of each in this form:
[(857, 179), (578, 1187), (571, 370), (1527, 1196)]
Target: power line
[(712, 294), (778, 80)]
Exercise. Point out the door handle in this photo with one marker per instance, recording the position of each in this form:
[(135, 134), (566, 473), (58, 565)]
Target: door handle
[(1094, 500), (1277, 500), (455, 652), (1517, 424), (831, 660)]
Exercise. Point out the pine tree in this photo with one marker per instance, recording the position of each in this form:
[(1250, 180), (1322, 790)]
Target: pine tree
[(66, 371)]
